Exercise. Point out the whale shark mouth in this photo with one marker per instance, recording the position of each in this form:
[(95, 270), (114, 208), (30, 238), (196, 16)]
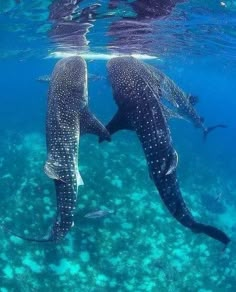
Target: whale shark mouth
[(99, 56)]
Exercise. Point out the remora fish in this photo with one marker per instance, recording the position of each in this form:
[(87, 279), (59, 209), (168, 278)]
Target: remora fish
[(68, 117), (139, 110), (181, 102)]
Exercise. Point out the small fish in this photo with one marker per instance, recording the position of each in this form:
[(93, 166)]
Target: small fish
[(96, 77), (47, 78), (218, 197), (98, 214), (44, 78)]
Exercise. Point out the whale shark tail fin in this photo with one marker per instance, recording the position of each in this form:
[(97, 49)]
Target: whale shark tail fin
[(25, 237), (212, 232), (210, 129)]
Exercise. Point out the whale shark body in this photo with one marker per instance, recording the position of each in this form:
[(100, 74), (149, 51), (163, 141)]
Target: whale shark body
[(175, 102), (68, 117), (140, 110)]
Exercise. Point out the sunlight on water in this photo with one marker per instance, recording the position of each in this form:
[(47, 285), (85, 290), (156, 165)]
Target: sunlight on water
[(99, 56)]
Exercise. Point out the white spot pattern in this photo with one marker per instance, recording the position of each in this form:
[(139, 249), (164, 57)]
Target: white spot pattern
[(134, 93)]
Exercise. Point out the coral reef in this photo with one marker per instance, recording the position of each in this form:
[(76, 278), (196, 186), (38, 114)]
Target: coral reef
[(139, 247)]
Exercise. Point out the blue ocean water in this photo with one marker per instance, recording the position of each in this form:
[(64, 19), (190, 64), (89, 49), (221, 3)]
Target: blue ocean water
[(139, 247)]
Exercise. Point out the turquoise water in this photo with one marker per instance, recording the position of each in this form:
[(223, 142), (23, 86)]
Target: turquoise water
[(139, 247)]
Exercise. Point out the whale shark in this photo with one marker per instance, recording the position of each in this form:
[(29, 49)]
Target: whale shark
[(179, 101), (68, 117), (179, 104), (140, 110)]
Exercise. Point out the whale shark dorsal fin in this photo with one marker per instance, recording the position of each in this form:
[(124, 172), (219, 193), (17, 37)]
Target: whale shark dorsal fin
[(166, 169), (89, 124), (193, 99), (118, 122), (80, 181), (173, 164)]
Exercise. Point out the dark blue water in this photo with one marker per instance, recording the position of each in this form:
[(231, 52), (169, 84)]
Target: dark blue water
[(140, 247)]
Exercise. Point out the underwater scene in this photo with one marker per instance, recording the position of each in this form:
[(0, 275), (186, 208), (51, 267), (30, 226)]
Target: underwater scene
[(117, 149)]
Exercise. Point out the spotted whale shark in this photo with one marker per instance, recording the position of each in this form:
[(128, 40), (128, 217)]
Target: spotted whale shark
[(140, 110), (68, 117), (179, 101)]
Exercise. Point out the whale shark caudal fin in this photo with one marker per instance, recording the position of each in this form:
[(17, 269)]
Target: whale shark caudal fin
[(58, 231), (211, 231), (210, 129), (91, 125), (25, 237)]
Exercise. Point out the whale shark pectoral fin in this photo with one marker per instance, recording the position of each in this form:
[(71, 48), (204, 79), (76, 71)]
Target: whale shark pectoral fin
[(118, 122), (51, 171), (173, 164), (91, 125)]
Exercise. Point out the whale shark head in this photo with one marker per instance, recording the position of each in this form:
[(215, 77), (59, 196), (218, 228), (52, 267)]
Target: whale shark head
[(131, 79), (124, 75), (69, 81)]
